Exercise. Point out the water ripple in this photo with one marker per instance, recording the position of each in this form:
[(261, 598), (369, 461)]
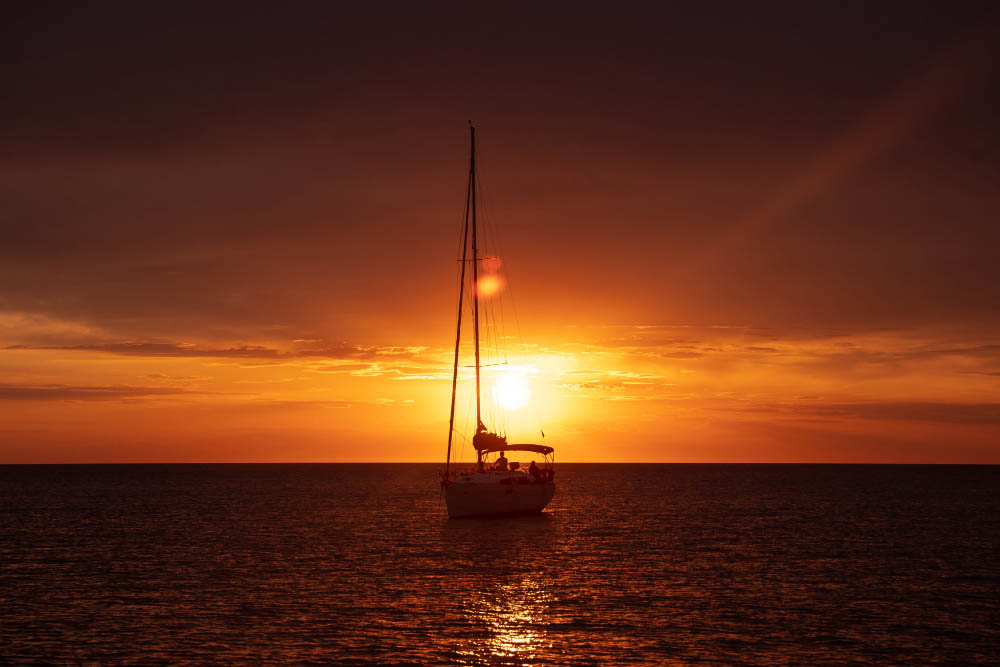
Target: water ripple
[(643, 565)]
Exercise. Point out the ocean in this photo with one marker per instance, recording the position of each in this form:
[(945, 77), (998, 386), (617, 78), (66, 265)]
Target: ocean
[(632, 564)]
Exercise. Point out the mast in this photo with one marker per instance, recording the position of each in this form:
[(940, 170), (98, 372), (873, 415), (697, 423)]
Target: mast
[(475, 280), (475, 276), (461, 296)]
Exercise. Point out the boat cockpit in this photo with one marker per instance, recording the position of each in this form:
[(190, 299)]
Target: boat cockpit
[(497, 464)]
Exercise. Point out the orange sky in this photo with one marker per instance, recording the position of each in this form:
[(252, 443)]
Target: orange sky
[(731, 235)]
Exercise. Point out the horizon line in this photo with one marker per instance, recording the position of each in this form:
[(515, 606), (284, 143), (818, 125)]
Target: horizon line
[(110, 463)]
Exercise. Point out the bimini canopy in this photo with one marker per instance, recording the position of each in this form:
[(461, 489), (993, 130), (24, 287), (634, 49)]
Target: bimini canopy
[(538, 449)]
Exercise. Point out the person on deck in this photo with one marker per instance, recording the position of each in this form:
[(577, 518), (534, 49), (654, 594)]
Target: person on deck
[(533, 470), (502, 462)]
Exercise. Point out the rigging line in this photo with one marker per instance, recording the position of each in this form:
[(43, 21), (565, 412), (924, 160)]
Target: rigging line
[(503, 329), (484, 330), (475, 268), (462, 242), (484, 333), (500, 339), (496, 238), (463, 238), (490, 234), (467, 412), (519, 338), (470, 194), (465, 426), (497, 324), (493, 329)]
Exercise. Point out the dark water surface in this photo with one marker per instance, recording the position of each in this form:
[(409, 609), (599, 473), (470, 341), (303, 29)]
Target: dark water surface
[(634, 564)]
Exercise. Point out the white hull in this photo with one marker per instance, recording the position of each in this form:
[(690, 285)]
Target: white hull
[(466, 499)]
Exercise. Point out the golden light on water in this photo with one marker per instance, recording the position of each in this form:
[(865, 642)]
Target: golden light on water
[(514, 616)]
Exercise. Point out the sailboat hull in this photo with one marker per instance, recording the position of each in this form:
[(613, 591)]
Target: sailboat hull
[(471, 499)]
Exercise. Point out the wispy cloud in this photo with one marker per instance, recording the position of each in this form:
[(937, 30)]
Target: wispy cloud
[(162, 350), (829, 351), (616, 384), (59, 392), (190, 350), (909, 411)]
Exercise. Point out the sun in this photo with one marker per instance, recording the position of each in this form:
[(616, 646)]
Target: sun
[(512, 391)]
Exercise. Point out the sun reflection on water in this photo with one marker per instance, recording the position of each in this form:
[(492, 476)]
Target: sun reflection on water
[(513, 616)]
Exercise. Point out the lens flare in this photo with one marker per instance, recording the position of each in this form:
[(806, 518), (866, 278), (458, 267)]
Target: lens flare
[(490, 284), (491, 264)]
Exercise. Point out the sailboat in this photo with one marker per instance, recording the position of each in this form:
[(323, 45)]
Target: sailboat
[(494, 486)]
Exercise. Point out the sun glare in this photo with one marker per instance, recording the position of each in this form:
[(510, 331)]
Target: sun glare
[(512, 391)]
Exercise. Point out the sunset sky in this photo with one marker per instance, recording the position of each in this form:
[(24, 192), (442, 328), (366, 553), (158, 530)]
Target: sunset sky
[(730, 231)]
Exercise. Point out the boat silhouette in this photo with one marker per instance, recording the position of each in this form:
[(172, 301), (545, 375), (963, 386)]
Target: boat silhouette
[(493, 487)]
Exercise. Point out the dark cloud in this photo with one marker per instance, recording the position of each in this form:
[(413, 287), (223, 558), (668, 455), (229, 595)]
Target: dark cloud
[(681, 355), (862, 349), (211, 172), (163, 350), (280, 406), (906, 411), (57, 392), (341, 368), (977, 351), (336, 351)]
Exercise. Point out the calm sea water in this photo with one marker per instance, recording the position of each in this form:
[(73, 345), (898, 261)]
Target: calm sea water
[(633, 564)]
